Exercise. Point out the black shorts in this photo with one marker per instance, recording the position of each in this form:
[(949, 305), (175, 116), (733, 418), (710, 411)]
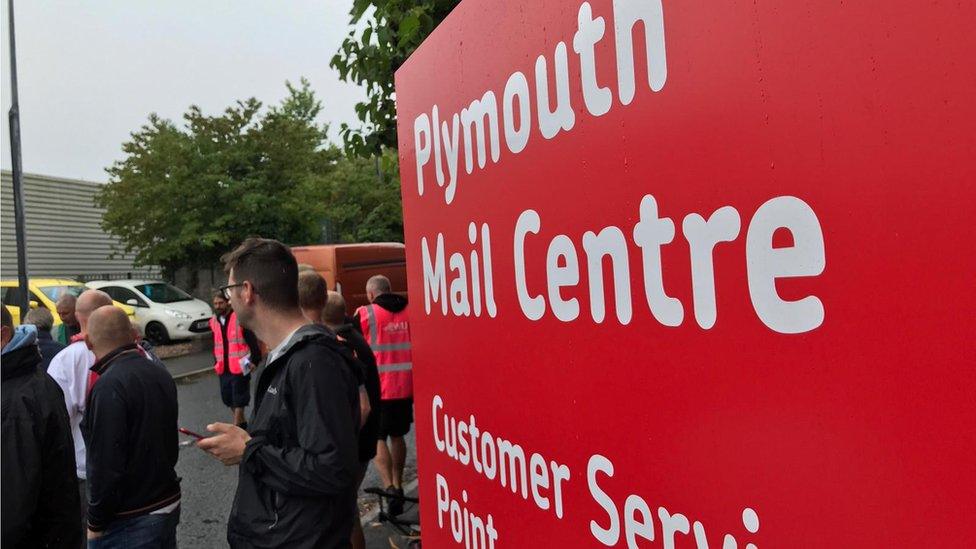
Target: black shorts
[(395, 417), (235, 390)]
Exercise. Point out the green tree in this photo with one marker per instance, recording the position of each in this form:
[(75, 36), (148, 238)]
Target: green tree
[(182, 196), (369, 56), (363, 203)]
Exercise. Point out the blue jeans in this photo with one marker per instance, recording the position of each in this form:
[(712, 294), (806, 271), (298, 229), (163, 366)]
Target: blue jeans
[(147, 531)]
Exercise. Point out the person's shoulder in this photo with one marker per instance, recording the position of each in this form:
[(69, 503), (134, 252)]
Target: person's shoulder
[(108, 388), (357, 342), (323, 348), (126, 372), (347, 331), (51, 346), (322, 354), (71, 355), (19, 398), (35, 399), (79, 348), (136, 364), (49, 387), (13, 384)]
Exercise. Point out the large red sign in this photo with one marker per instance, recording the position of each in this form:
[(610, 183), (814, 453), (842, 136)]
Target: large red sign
[(693, 274)]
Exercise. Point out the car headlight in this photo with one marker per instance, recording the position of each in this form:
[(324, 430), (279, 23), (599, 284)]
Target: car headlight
[(177, 314)]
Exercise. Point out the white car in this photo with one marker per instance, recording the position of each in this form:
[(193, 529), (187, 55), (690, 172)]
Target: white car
[(163, 311)]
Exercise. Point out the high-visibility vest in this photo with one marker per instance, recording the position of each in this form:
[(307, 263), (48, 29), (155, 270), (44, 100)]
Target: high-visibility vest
[(388, 335), (237, 347)]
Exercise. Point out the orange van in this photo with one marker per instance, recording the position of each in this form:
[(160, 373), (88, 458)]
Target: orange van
[(347, 267)]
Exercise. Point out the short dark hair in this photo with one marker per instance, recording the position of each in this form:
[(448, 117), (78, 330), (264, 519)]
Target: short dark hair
[(6, 319), (271, 269), (312, 290)]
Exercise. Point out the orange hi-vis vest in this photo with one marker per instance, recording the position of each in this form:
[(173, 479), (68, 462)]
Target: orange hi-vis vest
[(388, 335), (238, 348)]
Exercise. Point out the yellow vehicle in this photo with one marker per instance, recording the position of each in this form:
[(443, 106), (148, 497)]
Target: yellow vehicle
[(45, 292)]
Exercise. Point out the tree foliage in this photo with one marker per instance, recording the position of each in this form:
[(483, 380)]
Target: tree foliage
[(182, 196), (363, 203), (369, 56)]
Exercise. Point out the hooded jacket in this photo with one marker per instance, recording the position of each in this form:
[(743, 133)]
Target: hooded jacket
[(40, 505), (391, 302), (297, 476)]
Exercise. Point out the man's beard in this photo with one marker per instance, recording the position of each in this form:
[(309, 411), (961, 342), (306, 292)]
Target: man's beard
[(244, 318)]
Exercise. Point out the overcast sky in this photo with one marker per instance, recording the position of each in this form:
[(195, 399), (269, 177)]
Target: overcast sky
[(91, 71)]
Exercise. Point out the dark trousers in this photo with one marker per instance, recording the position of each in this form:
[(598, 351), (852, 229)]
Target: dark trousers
[(145, 532), (84, 510)]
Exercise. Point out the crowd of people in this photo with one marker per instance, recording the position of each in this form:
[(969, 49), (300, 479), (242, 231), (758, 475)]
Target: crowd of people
[(90, 414)]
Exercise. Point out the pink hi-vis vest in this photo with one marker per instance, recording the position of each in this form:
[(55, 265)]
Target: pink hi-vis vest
[(388, 335), (235, 338)]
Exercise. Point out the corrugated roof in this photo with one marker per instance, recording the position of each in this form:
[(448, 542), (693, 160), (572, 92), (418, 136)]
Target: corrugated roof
[(63, 230)]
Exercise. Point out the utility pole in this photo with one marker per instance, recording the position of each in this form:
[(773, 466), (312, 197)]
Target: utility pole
[(15, 158)]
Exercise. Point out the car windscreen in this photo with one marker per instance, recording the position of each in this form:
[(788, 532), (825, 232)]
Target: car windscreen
[(54, 293), (161, 292)]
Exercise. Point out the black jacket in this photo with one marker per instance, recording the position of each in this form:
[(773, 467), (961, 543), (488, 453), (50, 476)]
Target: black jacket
[(391, 302), (371, 377), (297, 476), (48, 347), (40, 506), (130, 431)]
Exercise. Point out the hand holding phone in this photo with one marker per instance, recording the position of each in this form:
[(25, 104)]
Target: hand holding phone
[(191, 433)]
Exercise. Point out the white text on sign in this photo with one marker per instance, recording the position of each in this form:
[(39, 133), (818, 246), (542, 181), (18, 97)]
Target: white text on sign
[(459, 286)]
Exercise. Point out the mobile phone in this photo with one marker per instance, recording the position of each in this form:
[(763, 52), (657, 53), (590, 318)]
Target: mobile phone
[(191, 433)]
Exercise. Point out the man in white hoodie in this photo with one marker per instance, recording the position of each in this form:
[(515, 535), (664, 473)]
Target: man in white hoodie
[(71, 370)]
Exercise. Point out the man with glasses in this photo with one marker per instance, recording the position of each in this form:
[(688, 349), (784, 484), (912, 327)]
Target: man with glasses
[(298, 459)]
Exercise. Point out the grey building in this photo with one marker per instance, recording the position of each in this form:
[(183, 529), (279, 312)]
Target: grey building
[(64, 234)]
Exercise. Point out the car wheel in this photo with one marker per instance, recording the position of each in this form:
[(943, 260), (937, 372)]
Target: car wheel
[(156, 333)]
